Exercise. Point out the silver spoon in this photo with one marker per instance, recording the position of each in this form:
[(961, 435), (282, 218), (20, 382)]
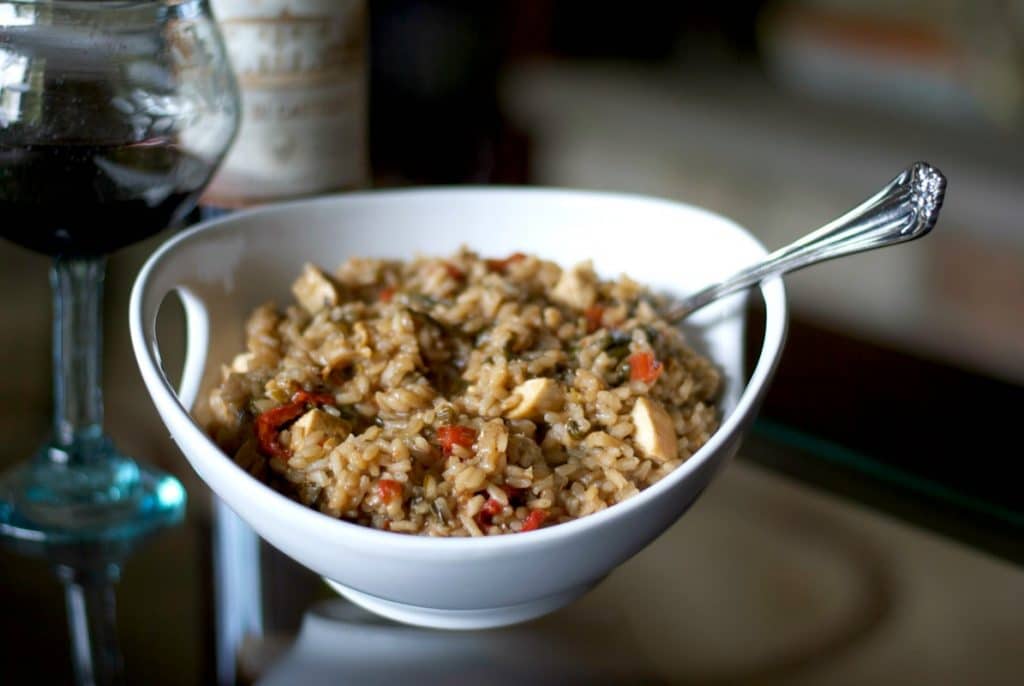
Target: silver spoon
[(905, 209)]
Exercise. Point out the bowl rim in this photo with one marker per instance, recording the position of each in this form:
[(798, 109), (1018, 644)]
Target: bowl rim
[(164, 395)]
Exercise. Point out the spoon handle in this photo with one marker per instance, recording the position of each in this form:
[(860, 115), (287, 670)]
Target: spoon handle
[(905, 209)]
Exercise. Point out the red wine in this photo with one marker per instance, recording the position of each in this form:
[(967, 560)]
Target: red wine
[(85, 200)]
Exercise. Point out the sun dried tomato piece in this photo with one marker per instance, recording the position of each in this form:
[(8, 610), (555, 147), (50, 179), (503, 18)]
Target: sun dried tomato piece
[(643, 367), (389, 489), (451, 436), (488, 512), (534, 520), (594, 314)]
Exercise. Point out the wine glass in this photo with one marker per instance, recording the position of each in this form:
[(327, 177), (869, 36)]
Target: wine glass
[(113, 117)]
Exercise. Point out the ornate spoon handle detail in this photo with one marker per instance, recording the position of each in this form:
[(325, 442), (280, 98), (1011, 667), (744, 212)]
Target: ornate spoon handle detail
[(905, 209)]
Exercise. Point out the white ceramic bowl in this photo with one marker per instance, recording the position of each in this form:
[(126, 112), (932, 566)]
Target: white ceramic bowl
[(223, 268)]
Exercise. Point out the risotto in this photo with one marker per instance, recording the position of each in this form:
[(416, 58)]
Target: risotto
[(462, 396)]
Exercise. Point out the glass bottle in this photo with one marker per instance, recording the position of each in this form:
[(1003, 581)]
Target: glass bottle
[(301, 69)]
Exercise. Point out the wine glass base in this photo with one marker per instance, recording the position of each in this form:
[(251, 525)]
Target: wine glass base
[(50, 502)]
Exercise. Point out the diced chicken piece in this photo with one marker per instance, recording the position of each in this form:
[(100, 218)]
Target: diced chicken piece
[(315, 420), (361, 271), (242, 363), (538, 396), (655, 437), (577, 287), (313, 290)]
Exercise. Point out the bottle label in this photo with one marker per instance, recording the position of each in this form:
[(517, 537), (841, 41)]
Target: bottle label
[(301, 70)]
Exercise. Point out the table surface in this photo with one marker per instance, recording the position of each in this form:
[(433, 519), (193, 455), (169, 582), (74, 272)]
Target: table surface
[(766, 580)]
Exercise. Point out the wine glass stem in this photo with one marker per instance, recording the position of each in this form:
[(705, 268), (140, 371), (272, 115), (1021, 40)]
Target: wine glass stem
[(89, 594), (77, 353)]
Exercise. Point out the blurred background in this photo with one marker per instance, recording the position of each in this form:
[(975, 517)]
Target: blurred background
[(780, 115)]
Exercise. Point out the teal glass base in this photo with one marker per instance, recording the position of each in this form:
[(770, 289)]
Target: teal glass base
[(86, 494)]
